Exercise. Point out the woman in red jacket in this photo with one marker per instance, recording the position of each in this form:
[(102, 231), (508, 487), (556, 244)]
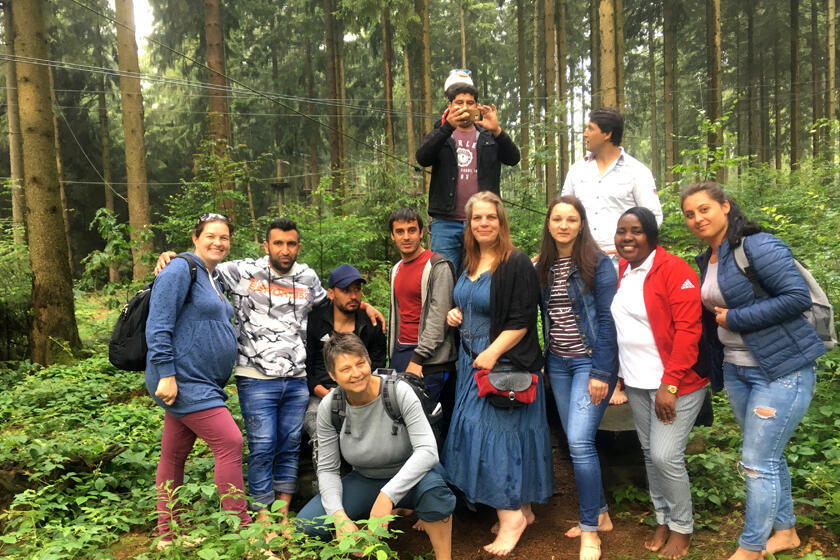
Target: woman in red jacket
[(657, 319)]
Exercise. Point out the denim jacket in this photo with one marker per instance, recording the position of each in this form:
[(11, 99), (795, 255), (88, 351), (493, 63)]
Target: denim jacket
[(592, 315), (779, 337)]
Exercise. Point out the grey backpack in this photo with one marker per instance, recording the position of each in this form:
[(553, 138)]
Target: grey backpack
[(821, 313)]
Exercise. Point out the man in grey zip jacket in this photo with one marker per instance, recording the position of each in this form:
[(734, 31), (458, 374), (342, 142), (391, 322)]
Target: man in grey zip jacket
[(419, 341)]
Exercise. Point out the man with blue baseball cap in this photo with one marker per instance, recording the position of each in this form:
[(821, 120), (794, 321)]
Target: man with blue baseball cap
[(342, 315)]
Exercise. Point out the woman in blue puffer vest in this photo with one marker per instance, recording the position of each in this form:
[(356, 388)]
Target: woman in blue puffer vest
[(578, 282), (764, 351)]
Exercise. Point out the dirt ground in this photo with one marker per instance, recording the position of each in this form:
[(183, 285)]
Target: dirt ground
[(545, 540)]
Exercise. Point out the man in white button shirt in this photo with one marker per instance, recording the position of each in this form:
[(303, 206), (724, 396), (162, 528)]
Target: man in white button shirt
[(608, 180)]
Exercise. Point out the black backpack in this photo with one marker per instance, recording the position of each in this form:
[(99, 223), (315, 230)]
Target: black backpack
[(433, 410), (127, 348)]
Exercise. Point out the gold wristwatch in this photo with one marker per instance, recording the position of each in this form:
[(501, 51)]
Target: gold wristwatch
[(671, 388)]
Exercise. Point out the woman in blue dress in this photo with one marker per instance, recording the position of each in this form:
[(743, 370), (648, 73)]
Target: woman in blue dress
[(500, 457)]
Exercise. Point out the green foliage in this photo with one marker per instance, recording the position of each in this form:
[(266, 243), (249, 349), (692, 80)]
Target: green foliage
[(216, 166), (117, 251), (15, 296)]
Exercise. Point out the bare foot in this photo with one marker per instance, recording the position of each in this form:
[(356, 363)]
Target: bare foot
[(658, 538), (590, 545), (742, 554), (529, 517), (605, 525), (419, 525), (512, 524), (676, 547), (618, 397), (784, 539)]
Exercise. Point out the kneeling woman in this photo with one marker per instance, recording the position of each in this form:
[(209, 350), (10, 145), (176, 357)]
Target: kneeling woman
[(764, 349), (657, 318), (192, 349), (389, 469)]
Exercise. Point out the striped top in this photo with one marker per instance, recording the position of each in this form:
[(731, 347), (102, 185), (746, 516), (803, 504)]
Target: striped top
[(564, 337)]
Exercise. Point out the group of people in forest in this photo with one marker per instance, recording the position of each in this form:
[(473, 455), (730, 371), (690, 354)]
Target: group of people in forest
[(618, 313)]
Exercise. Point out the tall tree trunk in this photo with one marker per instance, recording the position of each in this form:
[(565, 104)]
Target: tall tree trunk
[(669, 53), (777, 104), (713, 81), (409, 107), (562, 86), (794, 85), (342, 104), (595, 53), (313, 131), (461, 11), (105, 140), (139, 216), (619, 54), (831, 67), (332, 86), (219, 107), (753, 88), (571, 131), (765, 111), (213, 34), (550, 98), (15, 143), (606, 23), (816, 81), (654, 118), (389, 95), (426, 77), (524, 110), (53, 316), (539, 90), (422, 8), (60, 168)]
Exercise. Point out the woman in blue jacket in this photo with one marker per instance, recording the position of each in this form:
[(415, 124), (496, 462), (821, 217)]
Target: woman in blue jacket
[(764, 350), (192, 349), (578, 282)]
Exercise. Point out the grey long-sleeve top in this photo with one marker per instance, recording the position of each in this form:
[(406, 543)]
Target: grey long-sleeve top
[(372, 449)]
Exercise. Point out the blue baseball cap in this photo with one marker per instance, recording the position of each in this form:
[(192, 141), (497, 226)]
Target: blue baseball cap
[(344, 275)]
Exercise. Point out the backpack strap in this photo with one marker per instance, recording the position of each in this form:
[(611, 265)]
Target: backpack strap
[(747, 269), (193, 271), (338, 411), (389, 380)]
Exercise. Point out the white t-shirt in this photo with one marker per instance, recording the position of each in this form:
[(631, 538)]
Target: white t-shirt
[(639, 362)]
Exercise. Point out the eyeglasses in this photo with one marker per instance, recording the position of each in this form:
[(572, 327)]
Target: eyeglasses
[(207, 216)]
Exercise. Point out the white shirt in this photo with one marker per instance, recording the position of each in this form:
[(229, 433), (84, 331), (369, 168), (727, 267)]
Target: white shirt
[(626, 183), (639, 362)]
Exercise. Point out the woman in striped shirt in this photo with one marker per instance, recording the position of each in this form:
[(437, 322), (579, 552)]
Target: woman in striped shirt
[(578, 282)]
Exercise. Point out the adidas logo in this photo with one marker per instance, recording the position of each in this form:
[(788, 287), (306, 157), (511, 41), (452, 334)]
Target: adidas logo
[(687, 285)]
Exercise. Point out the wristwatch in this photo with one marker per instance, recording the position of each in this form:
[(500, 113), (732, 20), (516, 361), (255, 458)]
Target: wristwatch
[(671, 388)]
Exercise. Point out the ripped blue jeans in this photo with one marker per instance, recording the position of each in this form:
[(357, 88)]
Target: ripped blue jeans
[(569, 379), (768, 413)]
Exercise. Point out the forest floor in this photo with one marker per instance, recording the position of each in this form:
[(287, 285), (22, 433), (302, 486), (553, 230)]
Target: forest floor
[(545, 540)]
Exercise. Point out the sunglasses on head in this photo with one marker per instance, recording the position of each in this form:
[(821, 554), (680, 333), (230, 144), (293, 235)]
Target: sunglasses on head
[(212, 216)]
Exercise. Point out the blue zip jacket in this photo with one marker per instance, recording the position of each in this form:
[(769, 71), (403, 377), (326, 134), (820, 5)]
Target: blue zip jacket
[(191, 339), (592, 315), (774, 330)]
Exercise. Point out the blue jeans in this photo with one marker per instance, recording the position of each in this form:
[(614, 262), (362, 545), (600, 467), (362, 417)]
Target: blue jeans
[(448, 240), (273, 410), (431, 498), (569, 378), (768, 413)]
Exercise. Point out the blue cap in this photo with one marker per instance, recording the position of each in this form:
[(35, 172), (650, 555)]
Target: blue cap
[(344, 275)]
